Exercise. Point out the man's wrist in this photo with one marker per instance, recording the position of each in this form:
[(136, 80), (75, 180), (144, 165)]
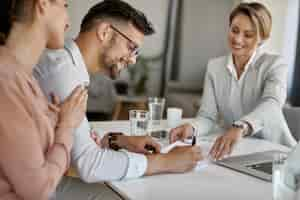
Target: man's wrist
[(122, 141), (114, 141), (157, 163)]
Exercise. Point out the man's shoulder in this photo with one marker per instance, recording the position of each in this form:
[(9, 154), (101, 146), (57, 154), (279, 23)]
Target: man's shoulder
[(52, 61)]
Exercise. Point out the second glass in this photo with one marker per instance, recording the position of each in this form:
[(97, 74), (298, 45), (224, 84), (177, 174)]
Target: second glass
[(138, 122), (156, 107)]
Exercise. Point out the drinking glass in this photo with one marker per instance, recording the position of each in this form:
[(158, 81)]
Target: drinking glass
[(138, 122), (156, 108)]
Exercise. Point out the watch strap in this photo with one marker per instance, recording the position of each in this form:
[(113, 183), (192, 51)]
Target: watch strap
[(112, 141)]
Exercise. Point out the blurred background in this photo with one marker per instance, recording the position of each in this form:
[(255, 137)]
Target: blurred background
[(172, 62)]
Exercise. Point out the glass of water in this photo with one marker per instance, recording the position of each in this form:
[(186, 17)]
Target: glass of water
[(285, 184), (138, 122), (156, 107), (277, 175)]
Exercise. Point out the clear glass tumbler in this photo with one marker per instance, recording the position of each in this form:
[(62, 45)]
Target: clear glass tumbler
[(156, 107), (138, 122)]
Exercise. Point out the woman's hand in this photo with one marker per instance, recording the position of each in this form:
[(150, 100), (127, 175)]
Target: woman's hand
[(73, 109), (225, 143)]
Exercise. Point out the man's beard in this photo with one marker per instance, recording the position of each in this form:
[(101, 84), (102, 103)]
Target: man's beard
[(113, 71), (108, 67)]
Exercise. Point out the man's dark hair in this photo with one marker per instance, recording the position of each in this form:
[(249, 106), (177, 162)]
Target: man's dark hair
[(119, 10)]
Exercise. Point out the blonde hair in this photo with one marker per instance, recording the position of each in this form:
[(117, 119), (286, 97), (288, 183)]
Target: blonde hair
[(259, 15)]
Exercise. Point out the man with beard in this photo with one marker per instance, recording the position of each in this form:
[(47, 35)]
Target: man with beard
[(110, 36)]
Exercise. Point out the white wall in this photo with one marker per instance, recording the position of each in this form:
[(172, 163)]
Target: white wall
[(290, 38), (284, 31), (205, 26)]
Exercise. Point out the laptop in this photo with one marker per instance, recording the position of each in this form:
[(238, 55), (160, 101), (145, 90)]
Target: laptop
[(256, 164)]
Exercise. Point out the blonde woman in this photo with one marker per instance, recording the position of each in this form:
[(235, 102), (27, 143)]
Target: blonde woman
[(35, 136), (247, 88)]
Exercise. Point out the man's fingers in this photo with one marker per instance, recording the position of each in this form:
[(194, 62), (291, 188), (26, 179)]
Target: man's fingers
[(198, 152), (198, 149), (155, 145), (174, 134)]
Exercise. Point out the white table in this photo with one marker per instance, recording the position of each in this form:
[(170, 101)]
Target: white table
[(211, 183)]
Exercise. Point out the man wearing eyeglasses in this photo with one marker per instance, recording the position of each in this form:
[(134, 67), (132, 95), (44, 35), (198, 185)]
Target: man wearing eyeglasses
[(110, 36)]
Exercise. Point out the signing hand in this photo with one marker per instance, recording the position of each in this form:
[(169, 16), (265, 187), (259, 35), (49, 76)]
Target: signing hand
[(183, 159), (225, 143), (181, 132)]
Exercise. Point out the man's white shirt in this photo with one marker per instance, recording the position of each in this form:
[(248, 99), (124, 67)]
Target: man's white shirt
[(60, 72)]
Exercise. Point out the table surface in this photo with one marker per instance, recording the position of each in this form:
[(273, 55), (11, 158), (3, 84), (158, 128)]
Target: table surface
[(211, 183)]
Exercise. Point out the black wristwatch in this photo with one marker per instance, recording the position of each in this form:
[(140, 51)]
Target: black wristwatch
[(242, 125), (112, 141)]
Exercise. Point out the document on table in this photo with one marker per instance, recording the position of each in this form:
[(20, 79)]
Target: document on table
[(201, 164)]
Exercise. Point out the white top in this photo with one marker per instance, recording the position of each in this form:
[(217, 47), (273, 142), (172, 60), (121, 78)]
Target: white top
[(59, 72), (236, 85), (256, 98)]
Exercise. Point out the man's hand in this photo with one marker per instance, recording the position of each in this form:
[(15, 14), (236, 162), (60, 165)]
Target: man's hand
[(178, 160), (225, 143), (136, 144), (96, 137), (181, 132)]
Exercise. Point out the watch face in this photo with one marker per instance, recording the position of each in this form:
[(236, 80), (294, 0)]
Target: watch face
[(112, 142)]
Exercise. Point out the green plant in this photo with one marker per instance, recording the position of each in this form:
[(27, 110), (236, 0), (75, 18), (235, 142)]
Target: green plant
[(139, 73)]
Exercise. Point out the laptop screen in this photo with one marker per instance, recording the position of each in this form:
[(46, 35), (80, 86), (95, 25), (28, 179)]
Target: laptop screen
[(265, 167)]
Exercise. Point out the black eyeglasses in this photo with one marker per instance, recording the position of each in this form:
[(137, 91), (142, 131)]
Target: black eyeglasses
[(135, 49)]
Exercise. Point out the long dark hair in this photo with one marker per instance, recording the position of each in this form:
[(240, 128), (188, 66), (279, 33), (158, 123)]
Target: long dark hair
[(12, 11)]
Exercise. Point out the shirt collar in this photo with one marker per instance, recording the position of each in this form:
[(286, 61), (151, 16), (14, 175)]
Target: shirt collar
[(72, 48), (231, 67), (77, 59)]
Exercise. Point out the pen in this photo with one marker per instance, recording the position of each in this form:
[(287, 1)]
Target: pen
[(194, 140), (191, 141)]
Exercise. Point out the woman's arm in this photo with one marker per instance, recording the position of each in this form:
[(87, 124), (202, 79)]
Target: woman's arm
[(32, 170), (207, 115), (273, 96)]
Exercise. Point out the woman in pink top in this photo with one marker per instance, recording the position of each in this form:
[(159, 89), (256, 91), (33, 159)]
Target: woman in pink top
[(35, 136)]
